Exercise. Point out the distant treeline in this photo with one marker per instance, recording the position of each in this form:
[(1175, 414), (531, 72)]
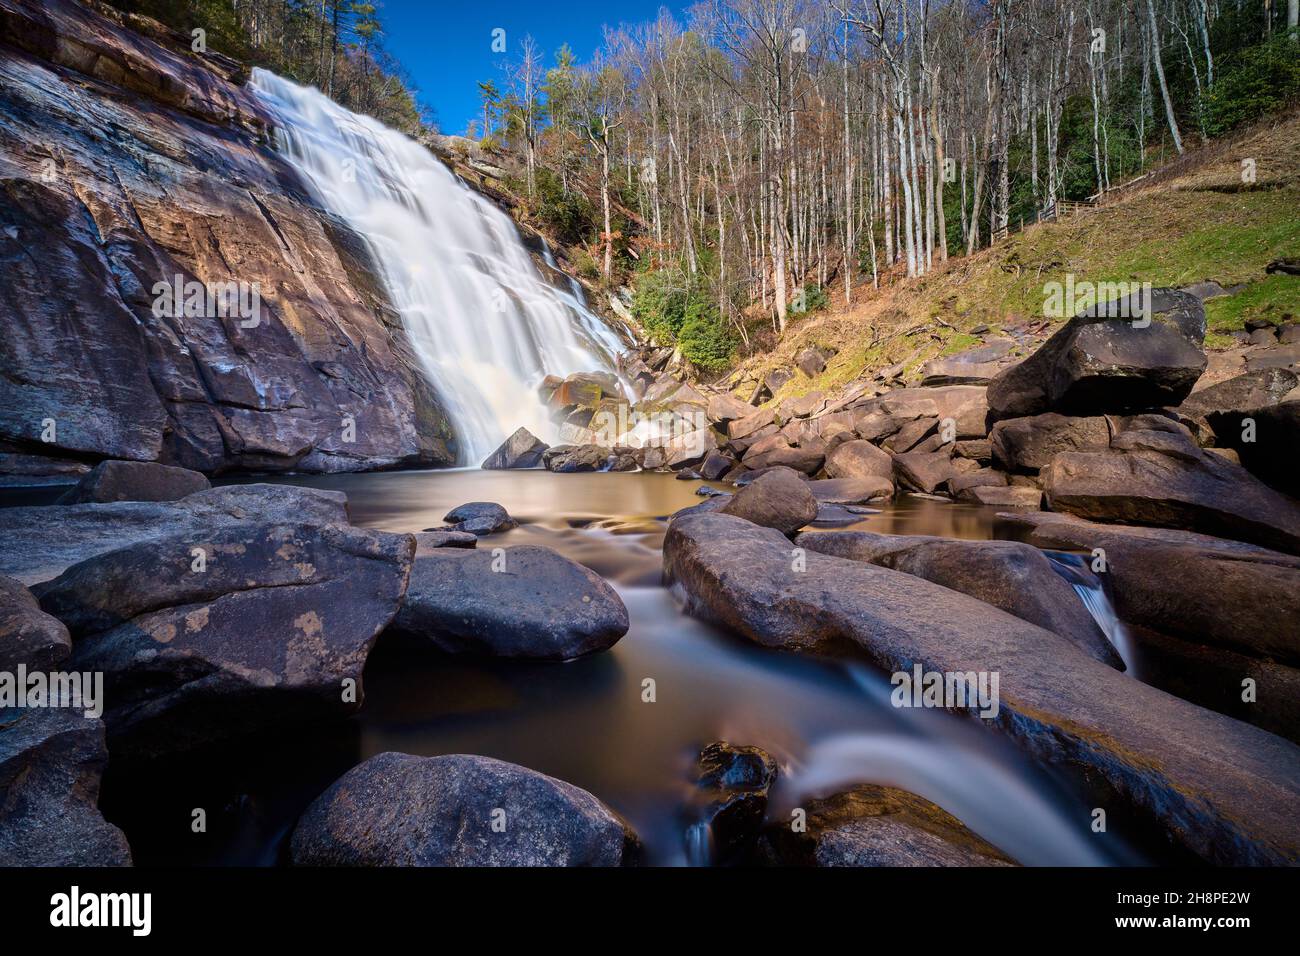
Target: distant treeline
[(334, 45)]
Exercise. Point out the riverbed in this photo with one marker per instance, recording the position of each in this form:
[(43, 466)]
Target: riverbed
[(829, 723)]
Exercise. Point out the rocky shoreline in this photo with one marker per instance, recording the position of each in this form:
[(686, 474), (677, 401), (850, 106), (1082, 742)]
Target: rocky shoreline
[(146, 580)]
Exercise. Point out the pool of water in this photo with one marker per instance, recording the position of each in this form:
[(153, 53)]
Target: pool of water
[(828, 722)]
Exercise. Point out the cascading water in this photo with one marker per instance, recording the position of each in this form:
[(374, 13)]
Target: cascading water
[(1074, 568), (486, 327)]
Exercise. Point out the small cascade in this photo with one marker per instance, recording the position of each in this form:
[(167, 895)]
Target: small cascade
[(1074, 568)]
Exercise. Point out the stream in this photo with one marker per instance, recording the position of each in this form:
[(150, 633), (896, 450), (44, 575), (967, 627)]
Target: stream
[(829, 723)]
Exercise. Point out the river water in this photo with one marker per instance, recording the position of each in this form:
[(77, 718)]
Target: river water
[(829, 723)]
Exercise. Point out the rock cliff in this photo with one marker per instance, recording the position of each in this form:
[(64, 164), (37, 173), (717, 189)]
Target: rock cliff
[(127, 160)]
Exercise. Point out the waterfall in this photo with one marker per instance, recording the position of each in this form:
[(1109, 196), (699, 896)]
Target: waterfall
[(486, 326)]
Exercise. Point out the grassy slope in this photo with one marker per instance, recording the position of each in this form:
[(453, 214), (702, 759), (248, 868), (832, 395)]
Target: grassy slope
[(1192, 222)]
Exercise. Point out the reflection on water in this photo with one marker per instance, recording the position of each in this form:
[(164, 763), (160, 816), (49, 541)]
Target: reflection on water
[(829, 724)]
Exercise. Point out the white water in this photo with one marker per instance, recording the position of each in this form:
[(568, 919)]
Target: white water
[(486, 327)]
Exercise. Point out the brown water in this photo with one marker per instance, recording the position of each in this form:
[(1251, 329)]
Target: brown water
[(829, 723)]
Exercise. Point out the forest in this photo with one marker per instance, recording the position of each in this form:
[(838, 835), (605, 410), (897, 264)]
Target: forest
[(751, 159)]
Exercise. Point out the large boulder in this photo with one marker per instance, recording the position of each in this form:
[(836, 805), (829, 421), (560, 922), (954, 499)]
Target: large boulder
[(851, 491), (202, 637), (38, 543), (457, 810), (1030, 444), (1015, 577), (724, 408), (1217, 787), (28, 635), (523, 449), (975, 366), (134, 481), (876, 826), (1192, 586), (859, 459), (523, 602), (1096, 364), (778, 499), (51, 762), (1155, 474)]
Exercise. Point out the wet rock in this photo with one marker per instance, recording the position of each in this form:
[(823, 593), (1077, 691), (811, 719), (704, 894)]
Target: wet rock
[(778, 499), (39, 542), (1155, 474), (522, 602), (1015, 496), (182, 665), (877, 826), (479, 518), (775, 451), (1015, 577), (134, 481), (1096, 365), (28, 635), (1219, 788), (732, 783), (458, 810), (923, 471), (567, 459), (523, 449), (51, 763), (1030, 444)]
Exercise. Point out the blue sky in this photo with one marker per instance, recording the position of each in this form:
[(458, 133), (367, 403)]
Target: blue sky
[(446, 45)]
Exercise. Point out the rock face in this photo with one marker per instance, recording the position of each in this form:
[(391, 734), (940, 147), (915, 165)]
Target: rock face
[(51, 762), (1097, 365), (878, 826), (1015, 577), (1030, 444), (28, 635), (134, 481), (1218, 787), (1155, 474), (181, 664), (730, 801), (779, 499), (479, 518), (523, 449), (186, 186), (38, 543), (525, 602), (458, 810)]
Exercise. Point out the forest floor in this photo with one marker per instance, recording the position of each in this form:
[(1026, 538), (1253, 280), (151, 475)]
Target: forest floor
[(1191, 220)]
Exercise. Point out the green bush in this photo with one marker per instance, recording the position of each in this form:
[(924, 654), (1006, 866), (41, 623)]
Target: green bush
[(570, 215), (673, 309)]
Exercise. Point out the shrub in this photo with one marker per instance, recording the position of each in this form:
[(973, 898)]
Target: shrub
[(1253, 82)]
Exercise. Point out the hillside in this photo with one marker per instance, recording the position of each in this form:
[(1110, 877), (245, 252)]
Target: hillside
[(1191, 221)]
